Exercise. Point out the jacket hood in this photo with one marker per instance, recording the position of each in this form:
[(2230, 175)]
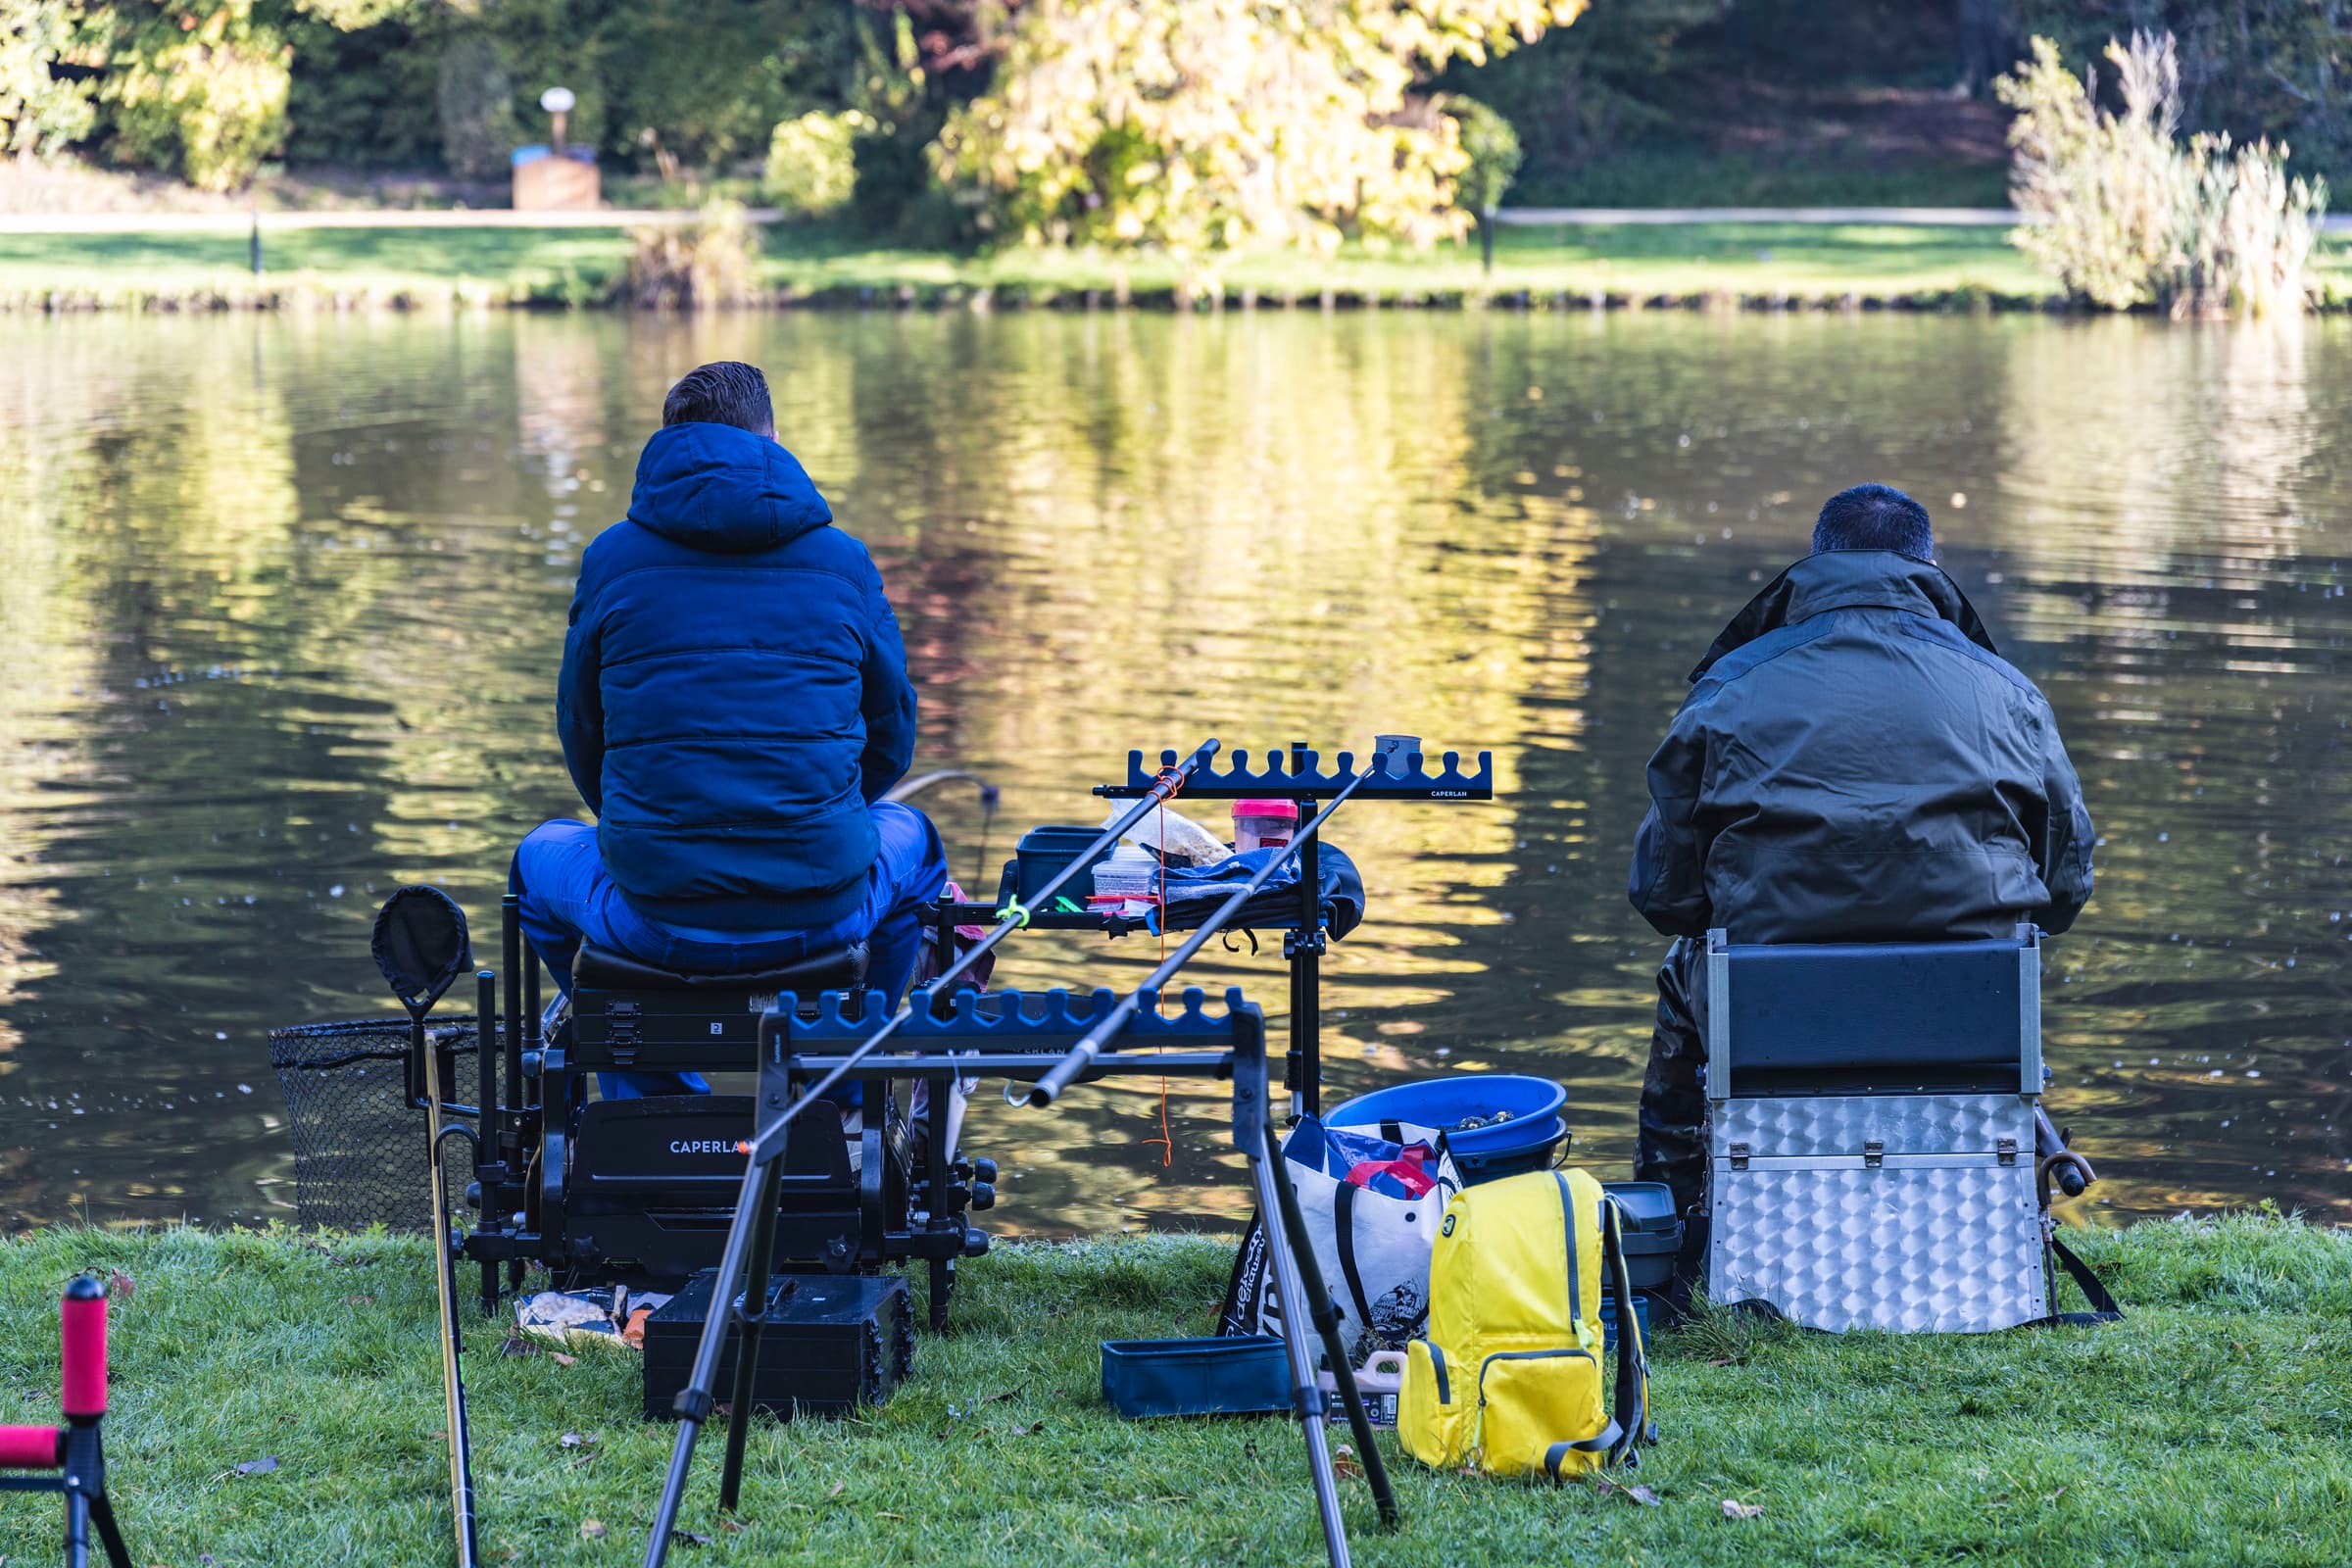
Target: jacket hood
[(715, 487), (1850, 579)]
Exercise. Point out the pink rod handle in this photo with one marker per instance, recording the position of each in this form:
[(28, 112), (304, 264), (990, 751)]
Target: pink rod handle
[(82, 1349), (32, 1448)]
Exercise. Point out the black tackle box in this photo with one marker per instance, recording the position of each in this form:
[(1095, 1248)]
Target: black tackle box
[(1039, 857), (1651, 1229), (830, 1344)]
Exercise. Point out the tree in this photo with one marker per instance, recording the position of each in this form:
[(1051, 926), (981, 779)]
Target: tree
[(39, 112), (1491, 147), (1205, 125), (476, 100), (1983, 45)]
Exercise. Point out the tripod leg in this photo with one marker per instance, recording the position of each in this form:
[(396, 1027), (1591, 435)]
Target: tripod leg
[(102, 1512), (694, 1402), (754, 1319), (77, 1528), (1327, 1325), (1307, 1394)]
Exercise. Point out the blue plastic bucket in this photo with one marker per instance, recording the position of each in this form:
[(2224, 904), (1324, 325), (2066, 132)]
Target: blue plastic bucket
[(1527, 1139)]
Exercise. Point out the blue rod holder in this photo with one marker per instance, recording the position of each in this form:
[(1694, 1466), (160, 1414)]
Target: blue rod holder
[(1300, 775)]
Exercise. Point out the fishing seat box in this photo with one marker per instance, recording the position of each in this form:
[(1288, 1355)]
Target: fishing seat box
[(830, 1344), (628, 1016), (648, 1185), (1871, 1149)]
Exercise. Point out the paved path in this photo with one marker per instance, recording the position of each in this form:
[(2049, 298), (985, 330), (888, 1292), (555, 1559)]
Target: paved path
[(236, 222), (1906, 217), (1925, 217), (232, 222)]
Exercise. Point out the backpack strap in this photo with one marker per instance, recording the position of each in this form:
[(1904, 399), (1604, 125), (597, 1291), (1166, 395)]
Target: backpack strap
[(1631, 1400)]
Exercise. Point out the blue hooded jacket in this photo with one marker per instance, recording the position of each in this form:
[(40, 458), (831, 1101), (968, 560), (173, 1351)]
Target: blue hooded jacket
[(734, 690)]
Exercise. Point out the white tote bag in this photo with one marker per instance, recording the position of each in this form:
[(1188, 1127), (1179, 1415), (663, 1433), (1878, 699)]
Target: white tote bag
[(1372, 1206)]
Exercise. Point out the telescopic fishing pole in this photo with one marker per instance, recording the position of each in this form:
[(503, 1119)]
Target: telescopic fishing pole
[(1299, 1283), (695, 1401)]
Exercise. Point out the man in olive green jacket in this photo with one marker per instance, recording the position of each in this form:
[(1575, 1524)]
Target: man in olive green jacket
[(1854, 764)]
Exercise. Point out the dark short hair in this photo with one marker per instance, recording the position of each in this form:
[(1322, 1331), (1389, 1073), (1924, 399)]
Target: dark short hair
[(722, 392), (1873, 516)]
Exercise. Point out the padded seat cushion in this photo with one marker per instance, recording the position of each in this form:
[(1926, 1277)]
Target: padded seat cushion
[(828, 969)]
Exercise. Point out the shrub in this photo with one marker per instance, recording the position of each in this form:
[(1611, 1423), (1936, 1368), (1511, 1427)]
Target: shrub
[(813, 163), (704, 265), (204, 95), (2123, 213), (1491, 147)]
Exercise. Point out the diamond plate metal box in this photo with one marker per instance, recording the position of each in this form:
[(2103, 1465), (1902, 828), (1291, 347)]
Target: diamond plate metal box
[(1909, 1213)]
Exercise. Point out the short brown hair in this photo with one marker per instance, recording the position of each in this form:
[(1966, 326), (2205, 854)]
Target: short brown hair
[(722, 392)]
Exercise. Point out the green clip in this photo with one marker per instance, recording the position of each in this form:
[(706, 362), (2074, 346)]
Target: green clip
[(1014, 906)]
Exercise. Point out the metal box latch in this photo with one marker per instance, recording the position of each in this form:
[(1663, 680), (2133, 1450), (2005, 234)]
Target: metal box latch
[(1739, 1157), (2007, 1148), (1874, 1154), (623, 1031)]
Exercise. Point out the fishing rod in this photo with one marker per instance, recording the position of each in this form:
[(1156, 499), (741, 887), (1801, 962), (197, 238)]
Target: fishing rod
[(907, 788), (1301, 1282), (695, 1401)]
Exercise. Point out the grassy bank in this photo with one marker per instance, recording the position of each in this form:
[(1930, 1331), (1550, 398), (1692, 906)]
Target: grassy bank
[(2207, 1428), (1764, 266)]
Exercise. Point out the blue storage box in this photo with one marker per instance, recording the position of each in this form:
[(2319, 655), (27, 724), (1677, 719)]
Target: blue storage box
[(1528, 1139), (1244, 1374)]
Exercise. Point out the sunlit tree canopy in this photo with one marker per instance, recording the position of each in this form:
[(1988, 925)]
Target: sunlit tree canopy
[(1209, 125)]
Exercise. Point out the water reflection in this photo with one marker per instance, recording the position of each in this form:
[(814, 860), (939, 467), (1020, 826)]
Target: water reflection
[(284, 601)]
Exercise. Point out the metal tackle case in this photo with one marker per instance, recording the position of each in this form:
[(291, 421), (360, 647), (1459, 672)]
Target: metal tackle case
[(1872, 1151)]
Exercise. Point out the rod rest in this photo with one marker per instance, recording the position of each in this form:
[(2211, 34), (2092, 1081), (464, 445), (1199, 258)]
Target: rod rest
[(1296, 774), (602, 969), (1009, 1020)]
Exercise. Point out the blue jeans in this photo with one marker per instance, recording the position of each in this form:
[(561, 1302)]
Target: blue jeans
[(566, 899)]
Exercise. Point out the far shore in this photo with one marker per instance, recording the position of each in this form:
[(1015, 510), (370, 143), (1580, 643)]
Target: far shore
[(318, 260)]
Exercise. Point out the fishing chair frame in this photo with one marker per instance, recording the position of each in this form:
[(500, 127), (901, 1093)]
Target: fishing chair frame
[(641, 1191)]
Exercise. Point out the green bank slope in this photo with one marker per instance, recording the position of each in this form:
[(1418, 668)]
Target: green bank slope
[(1756, 264), (2210, 1427)]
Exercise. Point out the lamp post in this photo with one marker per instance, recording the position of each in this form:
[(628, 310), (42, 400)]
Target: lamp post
[(558, 102)]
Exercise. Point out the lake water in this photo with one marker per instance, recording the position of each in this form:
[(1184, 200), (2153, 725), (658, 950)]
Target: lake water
[(281, 601)]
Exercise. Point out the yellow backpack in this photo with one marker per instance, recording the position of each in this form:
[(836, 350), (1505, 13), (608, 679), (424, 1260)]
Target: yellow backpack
[(1509, 1375)]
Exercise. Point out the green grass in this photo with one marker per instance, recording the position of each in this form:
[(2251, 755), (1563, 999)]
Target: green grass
[(1673, 264), (1685, 176), (1638, 262), (2209, 1427)]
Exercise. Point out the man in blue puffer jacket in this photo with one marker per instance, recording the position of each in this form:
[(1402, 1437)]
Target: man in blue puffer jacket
[(734, 703)]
